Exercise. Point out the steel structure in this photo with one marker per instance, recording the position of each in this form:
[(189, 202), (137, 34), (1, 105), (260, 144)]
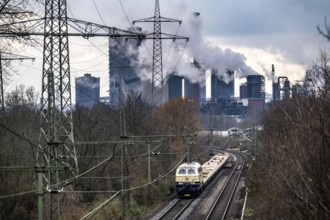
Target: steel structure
[(157, 64), (8, 56), (56, 150)]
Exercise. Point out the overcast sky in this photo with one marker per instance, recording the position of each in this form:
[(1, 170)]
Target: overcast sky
[(250, 35)]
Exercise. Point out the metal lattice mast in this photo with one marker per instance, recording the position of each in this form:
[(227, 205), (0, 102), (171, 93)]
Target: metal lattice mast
[(56, 110), (157, 64), (56, 152), (8, 56)]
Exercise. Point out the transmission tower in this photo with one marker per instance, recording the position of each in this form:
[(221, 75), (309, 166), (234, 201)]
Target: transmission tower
[(58, 152), (8, 56), (57, 127), (157, 64)]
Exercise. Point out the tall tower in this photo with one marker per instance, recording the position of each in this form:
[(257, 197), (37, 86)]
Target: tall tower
[(123, 59), (56, 151), (157, 56), (87, 91), (157, 64), (56, 156)]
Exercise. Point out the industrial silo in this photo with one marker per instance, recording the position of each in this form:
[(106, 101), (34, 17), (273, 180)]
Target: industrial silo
[(255, 86)]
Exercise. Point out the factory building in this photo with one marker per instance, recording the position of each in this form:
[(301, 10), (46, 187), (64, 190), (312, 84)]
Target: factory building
[(174, 84), (255, 86), (222, 86), (87, 90), (282, 88), (255, 93), (243, 94), (178, 86), (192, 91), (222, 93), (123, 77)]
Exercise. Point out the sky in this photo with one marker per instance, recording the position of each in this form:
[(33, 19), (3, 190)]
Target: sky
[(245, 35)]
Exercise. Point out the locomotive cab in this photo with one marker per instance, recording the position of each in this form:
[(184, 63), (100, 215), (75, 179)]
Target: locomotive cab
[(189, 179)]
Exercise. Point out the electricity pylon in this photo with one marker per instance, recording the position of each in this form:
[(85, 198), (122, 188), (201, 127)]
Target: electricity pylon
[(56, 151), (8, 56), (56, 112), (157, 64)]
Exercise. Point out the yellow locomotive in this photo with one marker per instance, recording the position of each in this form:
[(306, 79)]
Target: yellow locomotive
[(189, 179)]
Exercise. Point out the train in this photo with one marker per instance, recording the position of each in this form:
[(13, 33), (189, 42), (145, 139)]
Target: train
[(191, 178)]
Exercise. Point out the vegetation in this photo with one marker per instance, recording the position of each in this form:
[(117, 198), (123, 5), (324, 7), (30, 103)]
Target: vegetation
[(100, 155), (290, 178), (13, 12)]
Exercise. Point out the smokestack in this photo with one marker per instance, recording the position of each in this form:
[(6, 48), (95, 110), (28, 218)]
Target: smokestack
[(273, 72)]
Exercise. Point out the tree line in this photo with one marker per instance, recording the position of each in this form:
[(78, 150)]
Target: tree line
[(290, 178), (166, 129)]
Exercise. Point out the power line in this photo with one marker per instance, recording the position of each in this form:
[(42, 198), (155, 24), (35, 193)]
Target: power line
[(130, 23), (9, 57), (98, 12)]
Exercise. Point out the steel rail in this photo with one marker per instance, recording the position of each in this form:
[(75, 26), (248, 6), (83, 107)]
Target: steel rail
[(220, 195)]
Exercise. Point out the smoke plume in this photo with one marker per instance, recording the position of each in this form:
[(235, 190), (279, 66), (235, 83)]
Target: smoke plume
[(206, 54)]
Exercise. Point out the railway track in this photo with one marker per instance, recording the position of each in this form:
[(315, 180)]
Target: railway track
[(212, 203), (222, 203), (174, 209)]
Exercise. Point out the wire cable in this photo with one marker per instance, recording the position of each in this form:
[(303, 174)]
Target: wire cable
[(122, 7), (130, 23), (18, 194), (98, 12)]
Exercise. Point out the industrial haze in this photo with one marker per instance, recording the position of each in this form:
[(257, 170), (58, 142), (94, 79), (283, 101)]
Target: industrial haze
[(244, 36)]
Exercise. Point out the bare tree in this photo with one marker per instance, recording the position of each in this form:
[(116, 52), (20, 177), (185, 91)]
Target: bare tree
[(179, 114), (319, 74), (19, 137), (14, 17), (290, 179), (326, 32)]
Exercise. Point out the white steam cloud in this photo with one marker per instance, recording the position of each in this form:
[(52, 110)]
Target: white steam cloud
[(179, 59), (208, 56)]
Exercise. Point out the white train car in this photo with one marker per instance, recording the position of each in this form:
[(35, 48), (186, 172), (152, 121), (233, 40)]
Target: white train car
[(191, 178), (211, 167)]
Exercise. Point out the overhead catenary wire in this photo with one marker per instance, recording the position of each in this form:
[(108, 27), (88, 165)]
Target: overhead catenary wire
[(94, 211), (165, 174), (110, 191), (94, 2)]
